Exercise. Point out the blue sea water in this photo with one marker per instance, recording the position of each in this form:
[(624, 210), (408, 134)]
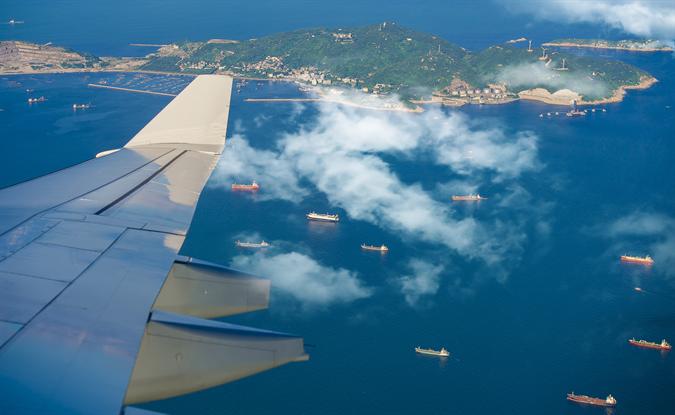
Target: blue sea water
[(553, 319), (107, 28)]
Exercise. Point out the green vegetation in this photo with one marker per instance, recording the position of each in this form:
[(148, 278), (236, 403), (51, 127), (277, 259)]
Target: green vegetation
[(391, 58)]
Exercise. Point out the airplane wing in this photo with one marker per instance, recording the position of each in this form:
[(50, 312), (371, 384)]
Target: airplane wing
[(97, 308)]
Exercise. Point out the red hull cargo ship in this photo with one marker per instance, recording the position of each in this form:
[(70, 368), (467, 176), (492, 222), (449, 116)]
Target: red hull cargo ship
[(664, 345), (253, 187), (587, 400), (646, 260)]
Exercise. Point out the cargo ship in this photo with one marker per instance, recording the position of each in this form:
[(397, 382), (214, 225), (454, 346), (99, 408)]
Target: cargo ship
[(253, 187), (467, 198), (664, 345), (432, 352), (382, 248), (262, 244), (609, 401), (646, 260), (324, 217)]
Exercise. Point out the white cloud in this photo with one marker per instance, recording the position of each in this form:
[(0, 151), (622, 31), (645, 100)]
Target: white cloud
[(344, 154), (305, 279), (423, 281), (469, 149), (643, 18), (528, 75)]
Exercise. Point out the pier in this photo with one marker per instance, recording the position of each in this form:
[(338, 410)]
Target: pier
[(142, 91), (148, 45), (283, 99)]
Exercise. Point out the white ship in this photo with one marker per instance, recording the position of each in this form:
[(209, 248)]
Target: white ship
[(262, 244), (326, 217), (432, 352), (382, 248), (80, 106), (34, 100)]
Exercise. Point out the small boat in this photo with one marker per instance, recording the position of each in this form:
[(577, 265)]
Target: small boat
[(262, 244), (609, 401), (432, 352), (326, 217), (557, 113), (34, 100), (548, 113), (604, 110), (81, 106), (664, 345), (382, 248), (646, 260), (467, 198), (253, 187), (541, 115)]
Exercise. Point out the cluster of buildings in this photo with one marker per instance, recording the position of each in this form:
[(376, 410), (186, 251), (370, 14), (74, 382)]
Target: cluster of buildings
[(460, 92), (343, 37)]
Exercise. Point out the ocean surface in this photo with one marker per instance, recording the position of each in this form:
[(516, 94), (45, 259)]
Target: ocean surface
[(545, 309)]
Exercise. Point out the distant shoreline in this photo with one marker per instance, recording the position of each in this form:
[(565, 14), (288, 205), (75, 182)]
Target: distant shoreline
[(581, 45), (536, 94)]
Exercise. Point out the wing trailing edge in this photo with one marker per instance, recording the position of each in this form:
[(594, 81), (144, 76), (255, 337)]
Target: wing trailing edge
[(182, 354), (202, 289)]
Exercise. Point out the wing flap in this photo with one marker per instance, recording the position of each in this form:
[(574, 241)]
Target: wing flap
[(183, 354), (201, 289)]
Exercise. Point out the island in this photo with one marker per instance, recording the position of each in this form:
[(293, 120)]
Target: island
[(647, 45), (18, 57), (385, 59)]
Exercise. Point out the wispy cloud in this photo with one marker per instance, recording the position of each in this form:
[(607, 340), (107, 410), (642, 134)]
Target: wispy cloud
[(423, 280), (349, 155), (342, 154), (305, 279), (643, 18)]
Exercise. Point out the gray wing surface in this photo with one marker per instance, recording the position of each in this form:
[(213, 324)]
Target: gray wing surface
[(97, 308)]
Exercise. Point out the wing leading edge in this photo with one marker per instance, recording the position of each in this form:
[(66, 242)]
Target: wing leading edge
[(97, 309)]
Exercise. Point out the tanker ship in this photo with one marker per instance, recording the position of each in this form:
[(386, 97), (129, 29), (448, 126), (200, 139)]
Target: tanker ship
[(382, 248), (253, 187), (608, 401), (664, 345), (646, 260), (324, 217), (432, 352), (467, 198)]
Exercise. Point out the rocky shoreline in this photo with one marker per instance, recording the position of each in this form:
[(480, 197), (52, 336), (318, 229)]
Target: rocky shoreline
[(566, 96), (600, 46)]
